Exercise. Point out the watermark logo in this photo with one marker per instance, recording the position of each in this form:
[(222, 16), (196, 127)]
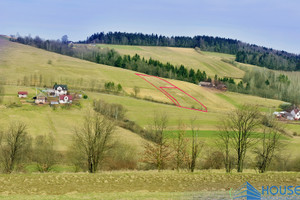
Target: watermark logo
[(247, 192)]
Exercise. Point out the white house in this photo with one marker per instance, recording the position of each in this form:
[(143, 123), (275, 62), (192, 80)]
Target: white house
[(60, 90), (65, 99), (22, 94), (296, 113)]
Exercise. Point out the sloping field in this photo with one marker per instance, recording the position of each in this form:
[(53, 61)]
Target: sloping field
[(17, 61), (209, 62)]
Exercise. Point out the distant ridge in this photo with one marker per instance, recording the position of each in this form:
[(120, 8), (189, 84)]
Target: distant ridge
[(245, 53)]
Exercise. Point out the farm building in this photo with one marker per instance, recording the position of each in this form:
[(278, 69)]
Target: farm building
[(221, 87), (60, 90), (40, 99), (22, 94), (65, 99), (53, 103), (206, 84)]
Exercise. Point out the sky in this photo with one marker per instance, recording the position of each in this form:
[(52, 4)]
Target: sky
[(271, 23)]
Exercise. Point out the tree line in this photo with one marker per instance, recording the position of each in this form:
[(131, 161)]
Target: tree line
[(245, 53), (96, 144)]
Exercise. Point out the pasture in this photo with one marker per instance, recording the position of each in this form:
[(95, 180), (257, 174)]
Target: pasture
[(209, 62)]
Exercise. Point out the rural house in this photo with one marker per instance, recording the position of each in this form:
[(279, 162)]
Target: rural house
[(65, 99), (51, 92), (40, 99), (60, 90), (22, 94), (293, 115), (206, 84), (296, 113)]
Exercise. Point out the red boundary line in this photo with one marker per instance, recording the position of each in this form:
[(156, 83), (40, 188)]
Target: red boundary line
[(173, 99)]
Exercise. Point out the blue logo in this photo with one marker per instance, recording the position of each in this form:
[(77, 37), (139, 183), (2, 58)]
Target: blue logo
[(247, 192)]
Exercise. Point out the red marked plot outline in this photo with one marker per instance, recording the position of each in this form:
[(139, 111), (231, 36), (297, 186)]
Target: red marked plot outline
[(173, 99)]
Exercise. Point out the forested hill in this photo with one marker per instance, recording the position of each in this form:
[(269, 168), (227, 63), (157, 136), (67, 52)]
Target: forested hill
[(245, 53)]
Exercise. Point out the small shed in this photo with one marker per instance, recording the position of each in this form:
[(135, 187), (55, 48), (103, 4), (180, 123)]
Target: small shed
[(54, 103), (22, 94), (206, 84)]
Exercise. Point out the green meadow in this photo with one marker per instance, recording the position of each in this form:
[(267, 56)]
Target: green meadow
[(17, 61)]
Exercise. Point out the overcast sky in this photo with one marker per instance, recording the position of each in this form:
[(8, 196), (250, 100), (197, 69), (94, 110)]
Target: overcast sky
[(270, 23)]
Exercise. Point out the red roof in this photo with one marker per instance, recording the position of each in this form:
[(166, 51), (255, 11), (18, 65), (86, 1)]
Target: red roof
[(62, 97), (22, 92)]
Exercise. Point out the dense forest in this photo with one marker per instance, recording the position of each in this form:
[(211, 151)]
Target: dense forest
[(264, 84), (245, 53)]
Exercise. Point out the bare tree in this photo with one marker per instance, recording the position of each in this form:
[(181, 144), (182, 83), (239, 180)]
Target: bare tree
[(93, 139), (180, 146), (158, 152), (15, 145), (269, 143), (136, 91), (224, 144), (196, 146), (240, 125), (44, 154)]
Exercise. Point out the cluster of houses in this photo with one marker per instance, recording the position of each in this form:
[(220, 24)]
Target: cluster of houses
[(286, 115), (218, 86), (57, 95)]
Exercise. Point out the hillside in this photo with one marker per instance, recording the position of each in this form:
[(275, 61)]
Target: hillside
[(211, 63), (18, 61)]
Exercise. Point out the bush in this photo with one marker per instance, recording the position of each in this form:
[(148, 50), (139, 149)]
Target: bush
[(14, 105), (214, 160), (66, 106), (285, 106), (114, 111), (295, 134), (85, 96), (123, 156), (77, 104)]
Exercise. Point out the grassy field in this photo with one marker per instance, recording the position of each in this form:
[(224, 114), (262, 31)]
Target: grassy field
[(209, 62), (136, 185), (17, 60)]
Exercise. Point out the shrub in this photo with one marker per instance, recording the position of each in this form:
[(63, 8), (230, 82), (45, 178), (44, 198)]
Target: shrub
[(114, 111), (66, 106), (122, 156), (214, 160), (285, 106), (295, 134), (85, 96)]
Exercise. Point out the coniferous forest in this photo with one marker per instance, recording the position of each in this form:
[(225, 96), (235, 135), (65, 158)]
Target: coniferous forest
[(245, 53)]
